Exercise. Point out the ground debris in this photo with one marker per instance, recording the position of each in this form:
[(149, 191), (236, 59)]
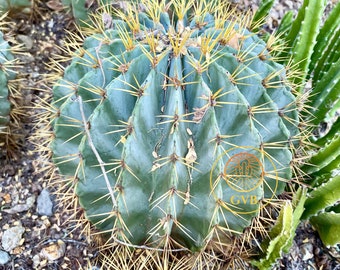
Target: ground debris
[(44, 203), (4, 257), (53, 251), (21, 207), (11, 237)]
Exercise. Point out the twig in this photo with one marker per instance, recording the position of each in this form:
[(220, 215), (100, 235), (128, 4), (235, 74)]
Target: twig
[(100, 161)]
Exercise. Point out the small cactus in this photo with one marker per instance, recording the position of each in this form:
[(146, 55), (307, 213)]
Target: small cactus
[(176, 125), (80, 9), (5, 75), (9, 94), (15, 6)]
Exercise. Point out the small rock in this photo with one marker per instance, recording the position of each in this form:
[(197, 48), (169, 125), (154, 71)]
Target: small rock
[(26, 40), (54, 251), (15, 196), (12, 237), (36, 261), (307, 252), (289, 4), (7, 198), (21, 207), (44, 204), (4, 257)]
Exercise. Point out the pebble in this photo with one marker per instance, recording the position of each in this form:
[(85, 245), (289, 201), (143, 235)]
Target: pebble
[(54, 251), (4, 257), (36, 261), (11, 237), (307, 251), (44, 204), (21, 207), (26, 40)]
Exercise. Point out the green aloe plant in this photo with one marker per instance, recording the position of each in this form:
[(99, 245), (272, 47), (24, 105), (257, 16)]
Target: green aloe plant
[(314, 50), (281, 235), (323, 107), (175, 125)]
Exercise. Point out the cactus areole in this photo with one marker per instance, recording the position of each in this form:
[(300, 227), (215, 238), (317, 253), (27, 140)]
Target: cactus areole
[(176, 123)]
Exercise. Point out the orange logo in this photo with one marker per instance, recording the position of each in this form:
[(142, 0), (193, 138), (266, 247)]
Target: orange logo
[(243, 172)]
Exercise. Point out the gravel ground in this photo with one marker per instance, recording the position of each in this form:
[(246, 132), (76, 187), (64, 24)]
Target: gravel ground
[(34, 231)]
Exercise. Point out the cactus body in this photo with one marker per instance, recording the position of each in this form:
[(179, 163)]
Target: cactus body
[(15, 6), (178, 130), (6, 75)]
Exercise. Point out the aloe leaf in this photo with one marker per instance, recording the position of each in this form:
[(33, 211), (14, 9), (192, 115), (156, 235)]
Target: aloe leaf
[(327, 225), (333, 165), (261, 13), (298, 203), (306, 39), (333, 112), (326, 59), (326, 93), (326, 34), (278, 240), (301, 38), (286, 23), (324, 156), (325, 195), (334, 130), (283, 232)]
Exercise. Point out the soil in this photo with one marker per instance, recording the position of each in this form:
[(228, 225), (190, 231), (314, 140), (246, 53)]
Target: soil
[(25, 174)]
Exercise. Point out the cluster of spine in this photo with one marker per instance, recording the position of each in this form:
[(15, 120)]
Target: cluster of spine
[(153, 115)]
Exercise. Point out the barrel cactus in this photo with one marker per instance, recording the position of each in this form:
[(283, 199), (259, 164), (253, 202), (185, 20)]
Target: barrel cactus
[(175, 124)]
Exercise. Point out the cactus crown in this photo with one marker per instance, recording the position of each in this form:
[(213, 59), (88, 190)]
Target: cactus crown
[(176, 122)]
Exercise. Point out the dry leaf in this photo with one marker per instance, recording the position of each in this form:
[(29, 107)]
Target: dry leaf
[(55, 5)]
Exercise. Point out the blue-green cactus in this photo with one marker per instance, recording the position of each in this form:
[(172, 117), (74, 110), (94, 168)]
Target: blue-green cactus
[(6, 75), (15, 6), (176, 124)]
